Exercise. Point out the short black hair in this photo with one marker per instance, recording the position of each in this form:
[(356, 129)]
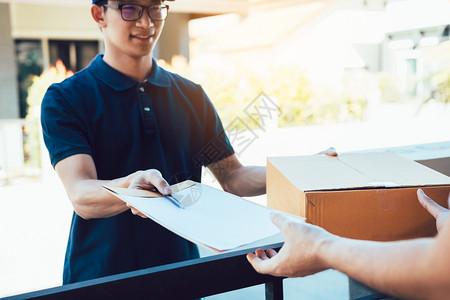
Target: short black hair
[(101, 2)]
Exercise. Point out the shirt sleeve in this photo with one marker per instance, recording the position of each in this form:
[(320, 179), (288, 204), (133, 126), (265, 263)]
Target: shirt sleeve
[(63, 131), (217, 145)]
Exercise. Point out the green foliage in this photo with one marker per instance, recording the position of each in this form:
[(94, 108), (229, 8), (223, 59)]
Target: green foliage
[(36, 93), (389, 88), (441, 86), (233, 88)]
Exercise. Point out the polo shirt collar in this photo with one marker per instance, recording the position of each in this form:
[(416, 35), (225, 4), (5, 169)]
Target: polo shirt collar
[(158, 76), (120, 81)]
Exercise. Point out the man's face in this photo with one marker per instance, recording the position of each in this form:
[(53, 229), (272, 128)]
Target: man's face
[(131, 38)]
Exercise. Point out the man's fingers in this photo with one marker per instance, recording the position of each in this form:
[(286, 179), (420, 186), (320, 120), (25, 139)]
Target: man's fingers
[(265, 255), (136, 212), (133, 210), (271, 253), (261, 254), (257, 263), (262, 263), (149, 180), (330, 152), (159, 182), (251, 256), (432, 207)]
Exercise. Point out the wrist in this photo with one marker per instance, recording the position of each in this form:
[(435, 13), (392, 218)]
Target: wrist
[(124, 182), (129, 179), (324, 249)]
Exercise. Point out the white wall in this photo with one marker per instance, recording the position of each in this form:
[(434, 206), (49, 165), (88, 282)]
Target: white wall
[(9, 106), (11, 148)]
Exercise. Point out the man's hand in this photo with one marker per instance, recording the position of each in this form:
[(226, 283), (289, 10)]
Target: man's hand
[(330, 152), (299, 255), (149, 180), (438, 212)]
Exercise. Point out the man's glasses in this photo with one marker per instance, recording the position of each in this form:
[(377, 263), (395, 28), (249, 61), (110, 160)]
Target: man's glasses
[(133, 12)]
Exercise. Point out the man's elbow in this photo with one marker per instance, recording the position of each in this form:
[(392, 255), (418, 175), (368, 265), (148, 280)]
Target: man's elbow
[(87, 209), (232, 187), (243, 191), (82, 208), (228, 187), (83, 212)]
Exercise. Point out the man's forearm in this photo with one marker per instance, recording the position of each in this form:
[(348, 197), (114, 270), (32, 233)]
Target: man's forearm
[(247, 181), (90, 200), (414, 269), (400, 269)]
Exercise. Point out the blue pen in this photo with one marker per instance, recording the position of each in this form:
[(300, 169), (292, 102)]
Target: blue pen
[(174, 201)]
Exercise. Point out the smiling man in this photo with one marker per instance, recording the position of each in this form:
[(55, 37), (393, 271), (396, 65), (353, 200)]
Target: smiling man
[(125, 122)]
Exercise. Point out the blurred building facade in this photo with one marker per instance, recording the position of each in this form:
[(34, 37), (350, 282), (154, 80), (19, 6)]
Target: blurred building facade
[(326, 38), (34, 34)]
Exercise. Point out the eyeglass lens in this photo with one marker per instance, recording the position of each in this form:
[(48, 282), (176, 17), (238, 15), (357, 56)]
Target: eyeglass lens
[(134, 12)]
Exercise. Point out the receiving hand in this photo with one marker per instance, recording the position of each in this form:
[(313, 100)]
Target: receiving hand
[(438, 212), (330, 152), (298, 256), (149, 180)]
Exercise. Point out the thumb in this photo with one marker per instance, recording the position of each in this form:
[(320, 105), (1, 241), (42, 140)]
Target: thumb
[(432, 207), (155, 177), (280, 220)]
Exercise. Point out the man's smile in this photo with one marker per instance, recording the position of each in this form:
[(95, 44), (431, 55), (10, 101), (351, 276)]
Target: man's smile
[(144, 37)]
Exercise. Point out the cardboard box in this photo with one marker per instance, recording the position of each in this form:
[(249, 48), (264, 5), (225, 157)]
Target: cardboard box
[(359, 195), (433, 155)]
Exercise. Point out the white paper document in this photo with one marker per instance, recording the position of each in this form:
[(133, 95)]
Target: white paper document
[(212, 218)]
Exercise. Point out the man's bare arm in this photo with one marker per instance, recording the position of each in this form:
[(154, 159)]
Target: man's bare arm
[(411, 269), (89, 199), (414, 269), (238, 179), (245, 180)]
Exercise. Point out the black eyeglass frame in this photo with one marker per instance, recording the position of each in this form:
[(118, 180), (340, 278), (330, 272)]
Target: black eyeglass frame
[(141, 13)]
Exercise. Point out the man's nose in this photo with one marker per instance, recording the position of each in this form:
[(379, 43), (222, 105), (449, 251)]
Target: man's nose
[(145, 21)]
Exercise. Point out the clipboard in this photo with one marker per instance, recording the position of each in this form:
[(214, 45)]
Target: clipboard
[(214, 219)]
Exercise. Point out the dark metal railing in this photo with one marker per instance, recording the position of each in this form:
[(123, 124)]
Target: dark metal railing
[(190, 279), (184, 280)]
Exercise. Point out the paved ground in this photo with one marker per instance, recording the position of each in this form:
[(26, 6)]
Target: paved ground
[(35, 217)]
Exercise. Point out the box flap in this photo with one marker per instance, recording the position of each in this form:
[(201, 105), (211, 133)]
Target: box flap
[(419, 152), (356, 170)]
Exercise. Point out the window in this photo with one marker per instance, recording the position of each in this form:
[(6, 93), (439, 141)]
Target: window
[(75, 55), (29, 63)]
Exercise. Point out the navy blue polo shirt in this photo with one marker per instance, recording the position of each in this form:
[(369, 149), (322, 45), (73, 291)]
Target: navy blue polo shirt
[(165, 123)]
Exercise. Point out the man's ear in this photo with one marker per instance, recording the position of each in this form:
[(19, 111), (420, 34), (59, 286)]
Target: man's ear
[(98, 14)]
